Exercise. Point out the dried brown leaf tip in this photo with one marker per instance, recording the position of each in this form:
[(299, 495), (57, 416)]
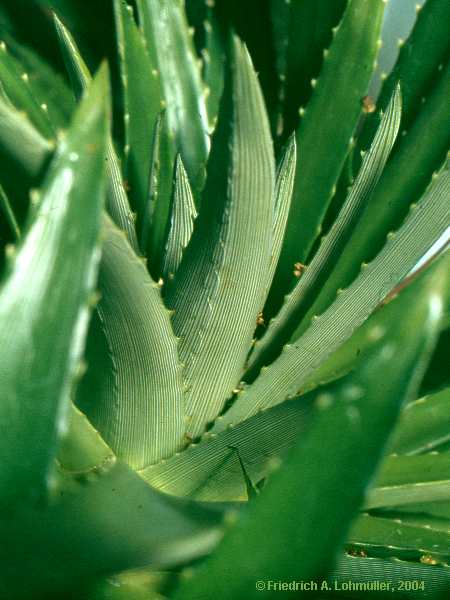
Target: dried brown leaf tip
[(368, 104), (260, 319), (298, 269)]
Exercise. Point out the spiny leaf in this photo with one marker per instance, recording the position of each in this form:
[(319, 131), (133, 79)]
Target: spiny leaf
[(181, 82), (424, 424), (183, 216), (346, 438), (365, 570), (213, 56), (117, 201), (286, 376), (390, 537), (113, 510), (325, 132), (418, 154), (302, 31), (48, 86), (283, 196), (221, 282), (406, 480), (142, 97), (59, 252), (418, 65), (15, 83), (209, 470), (157, 213), (138, 404), (301, 297)]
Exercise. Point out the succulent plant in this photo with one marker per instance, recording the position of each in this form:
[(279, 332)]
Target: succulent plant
[(222, 370)]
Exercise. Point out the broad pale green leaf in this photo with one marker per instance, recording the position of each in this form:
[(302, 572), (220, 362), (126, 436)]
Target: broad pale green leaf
[(333, 244), (286, 376), (210, 470), (98, 525), (390, 537), (44, 326), (417, 156), (346, 439), (424, 424), (221, 282), (137, 403), (117, 200), (15, 83), (182, 220), (325, 133), (142, 96), (169, 43)]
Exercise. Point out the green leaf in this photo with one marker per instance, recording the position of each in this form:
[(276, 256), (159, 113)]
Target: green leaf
[(82, 449), (418, 154), (333, 244), (21, 144), (365, 570), (252, 22), (418, 66), (221, 282), (210, 470), (98, 525), (9, 215), (298, 361), (438, 375), (406, 480), (390, 537), (15, 82), (213, 56), (42, 324), (283, 196), (350, 426), (302, 32), (157, 214), (182, 220), (137, 404), (117, 200), (169, 43), (47, 85), (142, 95), (424, 424), (325, 132)]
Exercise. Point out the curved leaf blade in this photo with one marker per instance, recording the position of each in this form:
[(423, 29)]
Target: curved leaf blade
[(221, 282), (350, 427), (333, 244), (47, 326), (292, 369), (138, 403)]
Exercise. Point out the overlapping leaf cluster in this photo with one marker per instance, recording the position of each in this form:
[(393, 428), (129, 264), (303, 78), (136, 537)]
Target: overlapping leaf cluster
[(209, 324)]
